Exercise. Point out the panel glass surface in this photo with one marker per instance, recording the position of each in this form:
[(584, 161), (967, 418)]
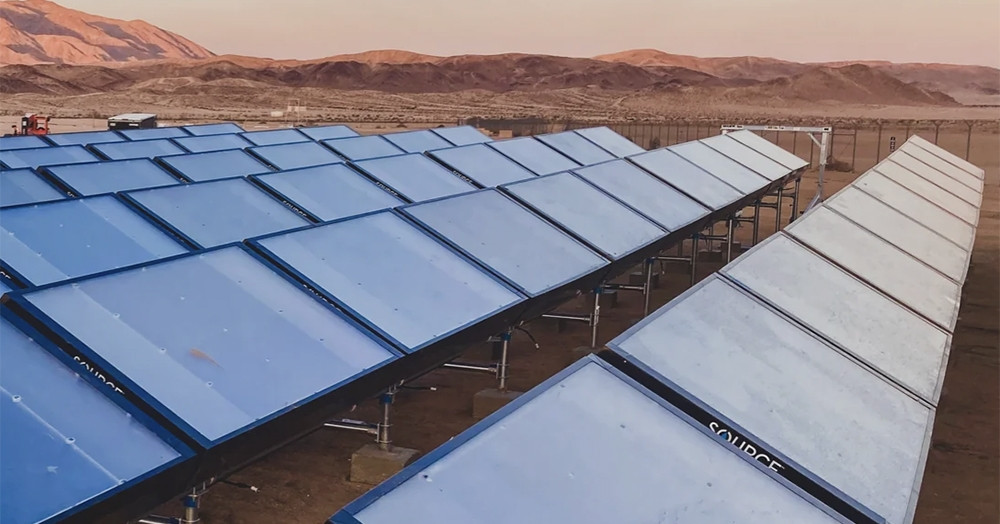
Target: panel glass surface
[(301, 154), (688, 178), (833, 417), (205, 143), (921, 186), (138, 149), (396, 277), (768, 149), (863, 321), (610, 141), (534, 155), (66, 239), (721, 167), (252, 343), (532, 459), (508, 238), (110, 177), (10, 143), (949, 169), (46, 156), (415, 177), (580, 149), (225, 128), (219, 212), (152, 134), (462, 135), (24, 186), (748, 157), (327, 132), (645, 193), (199, 167), (84, 138), (363, 147), (881, 264), (592, 215), (270, 137), (947, 156), (417, 141), (972, 196), (62, 442), (483, 165), (330, 192)]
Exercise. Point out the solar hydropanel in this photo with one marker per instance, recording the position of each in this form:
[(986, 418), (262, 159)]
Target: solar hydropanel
[(766, 148), (111, 176), (84, 138), (748, 157), (414, 176), (65, 446), (224, 128), (10, 143), (968, 179), (329, 192), (327, 132), (60, 240), (947, 156), (590, 214), (503, 235), (201, 167), (137, 149), (610, 141), (205, 143), (244, 325), (24, 186), (972, 196), (482, 165), (46, 156), (534, 155), (153, 134), (363, 147), (527, 459), (866, 323), (726, 169), (296, 155), (270, 137), (901, 231), (814, 404), (583, 151), (417, 141), (926, 189), (397, 279), (881, 264), (462, 135), (688, 178), (648, 195)]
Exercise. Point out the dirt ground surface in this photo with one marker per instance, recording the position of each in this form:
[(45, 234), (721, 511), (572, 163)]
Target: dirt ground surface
[(306, 482)]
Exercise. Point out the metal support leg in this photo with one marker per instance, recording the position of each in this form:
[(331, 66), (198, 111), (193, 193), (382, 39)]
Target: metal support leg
[(502, 366), (383, 440), (729, 240), (191, 508), (756, 222), (595, 317), (694, 259), (777, 210), (648, 291), (795, 201)]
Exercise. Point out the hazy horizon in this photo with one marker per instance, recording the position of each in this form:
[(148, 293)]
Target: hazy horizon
[(929, 31)]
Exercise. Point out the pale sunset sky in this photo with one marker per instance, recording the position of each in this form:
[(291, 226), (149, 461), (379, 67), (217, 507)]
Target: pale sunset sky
[(950, 31)]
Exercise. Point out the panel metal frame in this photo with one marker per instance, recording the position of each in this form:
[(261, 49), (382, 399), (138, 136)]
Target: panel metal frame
[(354, 164), (65, 186), (163, 162), (716, 214), (41, 176), (543, 144)]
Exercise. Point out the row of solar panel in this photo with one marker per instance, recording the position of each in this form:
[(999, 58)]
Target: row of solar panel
[(414, 276), (817, 358)]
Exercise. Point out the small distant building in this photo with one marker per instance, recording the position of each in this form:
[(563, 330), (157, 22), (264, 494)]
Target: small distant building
[(132, 121)]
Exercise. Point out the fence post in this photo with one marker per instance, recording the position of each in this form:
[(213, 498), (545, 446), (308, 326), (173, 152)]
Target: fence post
[(937, 131), (854, 153), (968, 140), (878, 148)]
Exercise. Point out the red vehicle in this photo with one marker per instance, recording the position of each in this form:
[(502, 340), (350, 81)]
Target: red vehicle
[(32, 124)]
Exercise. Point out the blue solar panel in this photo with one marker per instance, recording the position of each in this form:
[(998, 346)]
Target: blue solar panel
[(327, 132), (224, 128), (329, 192), (201, 167), (720, 166), (138, 149), (9, 143), (291, 156), (85, 138), (415, 177), (64, 445), (66, 239), (768, 149), (462, 135), (206, 143), (576, 147), (153, 134), (610, 141), (219, 212), (270, 137), (482, 165), (363, 147), (112, 176), (204, 338), (600, 220), (400, 281), (417, 141), (688, 178), (529, 252), (535, 155), (24, 186), (645, 193), (46, 156)]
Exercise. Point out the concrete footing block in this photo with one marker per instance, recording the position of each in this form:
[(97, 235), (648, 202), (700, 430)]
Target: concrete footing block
[(372, 464), (489, 400)]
